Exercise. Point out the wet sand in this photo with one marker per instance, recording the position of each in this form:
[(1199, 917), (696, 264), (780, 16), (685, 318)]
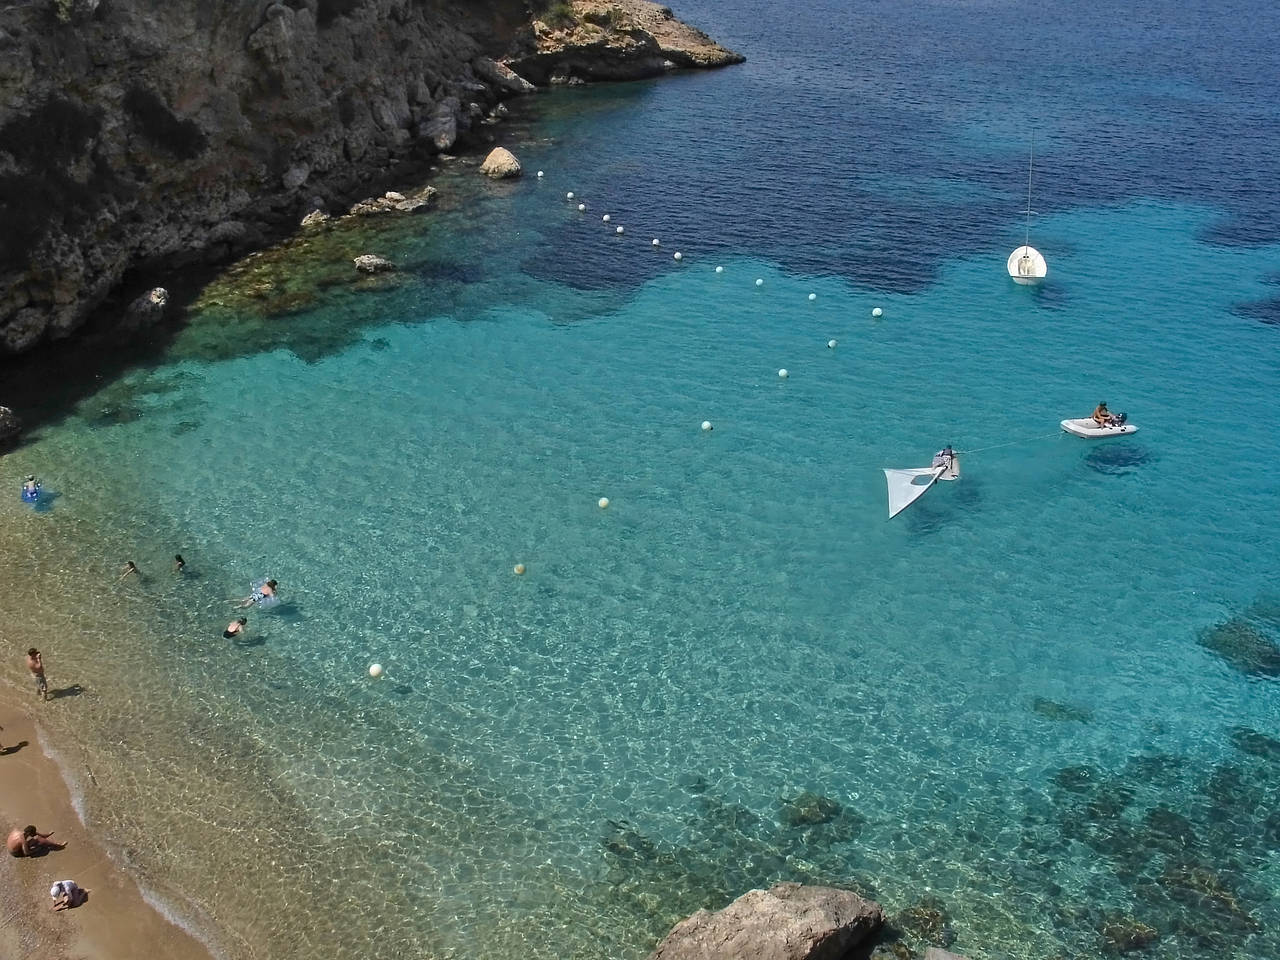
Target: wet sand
[(116, 923)]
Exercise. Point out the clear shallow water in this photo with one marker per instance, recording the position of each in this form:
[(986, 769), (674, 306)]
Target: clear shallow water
[(1006, 692)]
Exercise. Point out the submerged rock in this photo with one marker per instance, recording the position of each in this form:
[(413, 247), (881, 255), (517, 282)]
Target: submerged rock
[(148, 308), (500, 164), (786, 922), (1244, 647), (1250, 741), (1125, 934), (368, 263), (1061, 711), (809, 808)]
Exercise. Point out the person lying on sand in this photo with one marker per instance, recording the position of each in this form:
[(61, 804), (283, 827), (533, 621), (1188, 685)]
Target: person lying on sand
[(30, 842)]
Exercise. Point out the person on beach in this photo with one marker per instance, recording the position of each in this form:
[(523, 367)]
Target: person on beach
[(235, 628), (66, 894), (178, 563), (260, 593), (35, 663), (129, 568), (30, 842)]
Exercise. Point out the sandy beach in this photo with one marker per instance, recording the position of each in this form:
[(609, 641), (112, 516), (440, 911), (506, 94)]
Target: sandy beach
[(116, 923)]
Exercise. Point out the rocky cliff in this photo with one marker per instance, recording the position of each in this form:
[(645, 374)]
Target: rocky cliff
[(137, 137)]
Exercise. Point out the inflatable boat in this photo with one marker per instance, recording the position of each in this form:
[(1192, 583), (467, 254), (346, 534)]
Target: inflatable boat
[(1090, 429)]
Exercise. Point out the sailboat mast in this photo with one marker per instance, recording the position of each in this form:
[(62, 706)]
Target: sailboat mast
[(1030, 161)]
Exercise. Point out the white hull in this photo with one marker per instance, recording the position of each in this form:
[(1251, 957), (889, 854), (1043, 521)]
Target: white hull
[(1088, 428), (1027, 265)]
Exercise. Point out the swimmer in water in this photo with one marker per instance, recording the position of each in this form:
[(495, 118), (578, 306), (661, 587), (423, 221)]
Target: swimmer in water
[(178, 563), (235, 628), (264, 592), (129, 568)]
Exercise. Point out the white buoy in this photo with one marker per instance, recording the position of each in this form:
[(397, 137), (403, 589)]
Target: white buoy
[(831, 344), (375, 670), (518, 569), (783, 373), (719, 269), (539, 174), (706, 426), (877, 312), (619, 230), (759, 282), (569, 195), (656, 243), (813, 296), (603, 502), (678, 255), (581, 207), (605, 218)]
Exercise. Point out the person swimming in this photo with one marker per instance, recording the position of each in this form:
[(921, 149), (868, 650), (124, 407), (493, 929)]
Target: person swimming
[(130, 568), (262, 593), (235, 628), (178, 563)]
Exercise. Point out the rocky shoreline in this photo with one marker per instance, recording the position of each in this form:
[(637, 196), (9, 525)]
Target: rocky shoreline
[(136, 139)]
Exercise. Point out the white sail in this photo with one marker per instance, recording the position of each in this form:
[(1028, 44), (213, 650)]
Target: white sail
[(908, 486)]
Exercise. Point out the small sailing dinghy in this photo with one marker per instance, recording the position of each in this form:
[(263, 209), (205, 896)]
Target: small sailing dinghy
[(906, 486), (1027, 264), (1091, 429)]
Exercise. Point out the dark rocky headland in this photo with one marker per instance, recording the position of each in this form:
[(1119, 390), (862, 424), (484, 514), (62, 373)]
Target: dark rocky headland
[(137, 138)]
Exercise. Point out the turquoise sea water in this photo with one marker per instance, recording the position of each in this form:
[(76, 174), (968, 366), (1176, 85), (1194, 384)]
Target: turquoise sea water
[(1036, 708)]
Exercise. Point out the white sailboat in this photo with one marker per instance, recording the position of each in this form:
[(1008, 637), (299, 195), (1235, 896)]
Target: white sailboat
[(1026, 263), (906, 486)]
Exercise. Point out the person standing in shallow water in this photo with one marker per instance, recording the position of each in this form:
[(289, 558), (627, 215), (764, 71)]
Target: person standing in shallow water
[(35, 663), (178, 563), (129, 568)]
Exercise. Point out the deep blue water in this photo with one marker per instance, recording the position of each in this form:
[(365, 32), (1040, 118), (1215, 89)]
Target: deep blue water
[(1034, 715)]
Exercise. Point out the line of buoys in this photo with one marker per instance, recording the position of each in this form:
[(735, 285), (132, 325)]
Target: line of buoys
[(518, 569), (619, 230), (759, 281), (783, 373), (582, 207), (812, 297), (831, 344), (656, 243), (569, 195), (605, 218), (375, 670), (539, 174), (677, 255), (719, 269), (706, 426), (603, 503), (877, 312)]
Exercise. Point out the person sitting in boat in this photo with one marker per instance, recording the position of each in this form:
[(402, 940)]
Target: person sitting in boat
[(1104, 417), (944, 457)]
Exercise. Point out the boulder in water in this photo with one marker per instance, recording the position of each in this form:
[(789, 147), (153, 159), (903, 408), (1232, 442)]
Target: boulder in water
[(10, 425), (1244, 647), (500, 164), (789, 921), (368, 263)]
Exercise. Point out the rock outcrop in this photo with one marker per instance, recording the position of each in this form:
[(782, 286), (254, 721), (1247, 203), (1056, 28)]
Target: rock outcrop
[(786, 922), (612, 40), (10, 426), (369, 263), (136, 138), (500, 164)]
